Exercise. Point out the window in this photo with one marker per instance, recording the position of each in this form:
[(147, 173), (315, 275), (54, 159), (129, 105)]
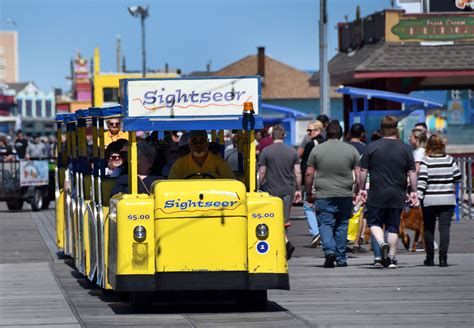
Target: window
[(49, 112), (19, 107), (111, 95), (39, 108), (29, 108)]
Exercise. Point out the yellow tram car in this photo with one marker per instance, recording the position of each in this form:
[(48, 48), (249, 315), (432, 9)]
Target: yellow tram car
[(194, 234)]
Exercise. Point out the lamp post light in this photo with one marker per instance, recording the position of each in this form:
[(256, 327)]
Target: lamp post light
[(142, 12)]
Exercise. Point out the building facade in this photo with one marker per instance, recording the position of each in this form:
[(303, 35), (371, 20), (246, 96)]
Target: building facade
[(9, 57), (34, 108), (286, 87), (395, 51)]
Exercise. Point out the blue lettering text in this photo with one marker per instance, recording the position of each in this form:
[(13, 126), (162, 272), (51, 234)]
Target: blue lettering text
[(169, 203), (217, 96), (239, 94), (205, 97), (229, 96), (149, 97)]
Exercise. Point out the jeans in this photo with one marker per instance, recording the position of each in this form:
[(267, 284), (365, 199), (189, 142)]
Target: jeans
[(444, 213), (375, 247), (311, 217), (333, 218)]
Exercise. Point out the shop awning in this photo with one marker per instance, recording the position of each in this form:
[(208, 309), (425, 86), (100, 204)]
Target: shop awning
[(391, 96)]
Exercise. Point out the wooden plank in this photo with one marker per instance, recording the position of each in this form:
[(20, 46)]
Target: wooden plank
[(29, 296)]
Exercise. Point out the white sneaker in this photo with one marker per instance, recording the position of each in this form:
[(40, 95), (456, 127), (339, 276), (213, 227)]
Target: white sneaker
[(393, 264), (419, 247), (315, 242)]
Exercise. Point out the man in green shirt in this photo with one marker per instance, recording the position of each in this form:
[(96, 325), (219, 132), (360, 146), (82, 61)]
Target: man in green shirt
[(329, 183)]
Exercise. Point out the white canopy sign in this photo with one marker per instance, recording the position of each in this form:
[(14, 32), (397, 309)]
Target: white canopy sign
[(193, 97)]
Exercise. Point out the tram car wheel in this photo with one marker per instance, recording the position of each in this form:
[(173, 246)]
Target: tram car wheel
[(45, 204), (15, 205), (141, 301), (36, 201), (252, 300)]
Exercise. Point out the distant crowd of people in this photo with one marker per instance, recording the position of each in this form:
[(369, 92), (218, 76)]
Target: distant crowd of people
[(335, 175), (21, 147)]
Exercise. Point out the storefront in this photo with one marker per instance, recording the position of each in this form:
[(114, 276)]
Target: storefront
[(399, 52)]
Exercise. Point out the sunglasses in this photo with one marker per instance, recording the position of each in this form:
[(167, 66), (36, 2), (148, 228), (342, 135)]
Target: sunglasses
[(200, 141), (310, 130), (115, 157), (114, 124)]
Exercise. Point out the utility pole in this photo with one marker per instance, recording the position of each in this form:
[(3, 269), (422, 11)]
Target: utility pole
[(142, 12), (324, 100), (118, 52)]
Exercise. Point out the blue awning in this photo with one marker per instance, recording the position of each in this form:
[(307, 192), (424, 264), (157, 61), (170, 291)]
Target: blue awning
[(287, 111), (391, 96)]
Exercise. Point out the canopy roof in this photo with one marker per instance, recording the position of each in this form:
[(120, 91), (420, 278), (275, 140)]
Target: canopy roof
[(391, 96), (287, 111)]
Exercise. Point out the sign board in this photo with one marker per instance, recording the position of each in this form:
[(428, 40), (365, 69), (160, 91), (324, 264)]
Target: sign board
[(435, 28), (34, 173), (165, 98), (451, 5)]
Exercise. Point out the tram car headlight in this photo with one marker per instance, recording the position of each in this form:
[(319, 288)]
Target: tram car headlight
[(139, 233), (262, 231)]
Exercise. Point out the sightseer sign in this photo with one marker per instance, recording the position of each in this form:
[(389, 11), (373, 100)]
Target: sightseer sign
[(190, 97), (435, 28)]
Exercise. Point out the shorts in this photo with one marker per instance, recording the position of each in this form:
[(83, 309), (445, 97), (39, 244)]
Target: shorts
[(287, 203), (390, 217)]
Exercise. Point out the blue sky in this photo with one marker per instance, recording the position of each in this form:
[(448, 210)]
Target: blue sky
[(186, 34)]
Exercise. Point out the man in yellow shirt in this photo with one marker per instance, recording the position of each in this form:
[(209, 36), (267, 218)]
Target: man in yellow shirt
[(200, 163), (114, 132)]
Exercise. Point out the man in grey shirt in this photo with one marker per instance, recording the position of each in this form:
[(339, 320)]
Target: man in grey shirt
[(328, 182), (36, 149), (280, 169)]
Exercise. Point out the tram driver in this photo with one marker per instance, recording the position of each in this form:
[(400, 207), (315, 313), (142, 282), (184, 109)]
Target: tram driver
[(200, 162)]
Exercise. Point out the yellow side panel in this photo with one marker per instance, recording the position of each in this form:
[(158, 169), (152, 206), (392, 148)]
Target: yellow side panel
[(134, 257), (268, 255), (105, 210), (85, 237), (201, 244), (60, 221)]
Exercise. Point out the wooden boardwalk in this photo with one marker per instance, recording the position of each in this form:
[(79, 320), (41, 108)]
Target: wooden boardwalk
[(37, 288)]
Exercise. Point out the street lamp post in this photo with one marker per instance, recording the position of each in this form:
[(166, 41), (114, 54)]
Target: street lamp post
[(324, 100), (142, 12)]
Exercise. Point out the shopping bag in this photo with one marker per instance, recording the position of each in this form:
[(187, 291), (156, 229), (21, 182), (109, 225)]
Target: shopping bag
[(354, 222)]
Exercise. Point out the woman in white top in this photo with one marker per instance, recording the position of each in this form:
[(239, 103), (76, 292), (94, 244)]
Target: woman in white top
[(418, 141)]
